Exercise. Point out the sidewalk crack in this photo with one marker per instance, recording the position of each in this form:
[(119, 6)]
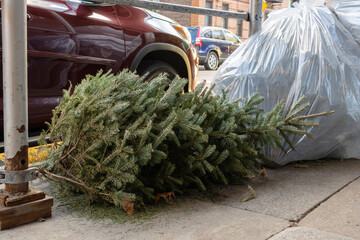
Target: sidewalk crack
[(324, 200)]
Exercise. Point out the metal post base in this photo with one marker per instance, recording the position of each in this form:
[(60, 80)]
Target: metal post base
[(16, 210)]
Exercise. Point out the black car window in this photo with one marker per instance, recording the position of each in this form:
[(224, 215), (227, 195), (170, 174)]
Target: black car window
[(218, 34), (230, 37), (208, 34)]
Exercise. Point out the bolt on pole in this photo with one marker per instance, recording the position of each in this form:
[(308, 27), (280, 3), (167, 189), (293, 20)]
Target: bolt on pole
[(255, 16), (14, 34)]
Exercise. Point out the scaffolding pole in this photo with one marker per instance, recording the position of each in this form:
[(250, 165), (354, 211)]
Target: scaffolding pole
[(19, 204), (177, 8), (255, 16), (15, 89)]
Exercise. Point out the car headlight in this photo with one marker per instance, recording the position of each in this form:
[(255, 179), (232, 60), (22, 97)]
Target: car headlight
[(183, 31)]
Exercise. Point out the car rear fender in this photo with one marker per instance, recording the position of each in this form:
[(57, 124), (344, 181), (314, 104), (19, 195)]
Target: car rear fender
[(161, 47), (214, 49)]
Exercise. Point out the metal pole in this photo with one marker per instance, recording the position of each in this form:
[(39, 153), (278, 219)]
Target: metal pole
[(14, 26), (177, 8), (255, 16)]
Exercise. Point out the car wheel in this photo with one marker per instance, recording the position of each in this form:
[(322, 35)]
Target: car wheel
[(154, 68), (212, 62)]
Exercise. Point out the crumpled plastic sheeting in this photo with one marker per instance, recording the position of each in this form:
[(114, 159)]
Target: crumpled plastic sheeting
[(302, 51), (348, 13)]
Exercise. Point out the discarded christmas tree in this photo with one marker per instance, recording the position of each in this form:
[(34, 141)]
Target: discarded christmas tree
[(124, 140)]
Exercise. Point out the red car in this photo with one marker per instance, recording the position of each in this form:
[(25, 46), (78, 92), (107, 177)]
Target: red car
[(69, 39)]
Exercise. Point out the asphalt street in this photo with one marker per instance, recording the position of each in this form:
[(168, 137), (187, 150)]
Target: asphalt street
[(206, 75)]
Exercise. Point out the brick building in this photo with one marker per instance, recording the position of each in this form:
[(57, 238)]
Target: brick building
[(183, 18), (237, 26), (276, 6)]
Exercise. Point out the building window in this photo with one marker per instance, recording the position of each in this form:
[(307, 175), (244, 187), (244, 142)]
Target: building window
[(225, 21), (239, 27), (208, 19)]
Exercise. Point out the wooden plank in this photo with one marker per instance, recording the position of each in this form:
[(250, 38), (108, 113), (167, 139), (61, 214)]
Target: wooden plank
[(3, 197), (25, 208), (16, 221), (31, 196), (18, 215)]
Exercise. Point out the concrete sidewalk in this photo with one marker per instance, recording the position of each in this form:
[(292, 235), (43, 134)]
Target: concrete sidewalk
[(301, 202)]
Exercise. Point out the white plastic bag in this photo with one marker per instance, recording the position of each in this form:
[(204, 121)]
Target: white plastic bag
[(348, 13), (302, 51)]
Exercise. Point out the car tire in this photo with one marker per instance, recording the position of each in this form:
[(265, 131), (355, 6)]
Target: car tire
[(154, 68), (212, 62)]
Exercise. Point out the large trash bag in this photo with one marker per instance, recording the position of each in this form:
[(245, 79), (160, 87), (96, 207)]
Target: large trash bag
[(348, 13), (302, 51)]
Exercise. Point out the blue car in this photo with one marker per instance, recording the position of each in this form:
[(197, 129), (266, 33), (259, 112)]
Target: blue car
[(214, 45)]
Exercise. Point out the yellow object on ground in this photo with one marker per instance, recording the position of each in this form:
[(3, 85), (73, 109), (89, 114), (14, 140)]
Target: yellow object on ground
[(36, 154)]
